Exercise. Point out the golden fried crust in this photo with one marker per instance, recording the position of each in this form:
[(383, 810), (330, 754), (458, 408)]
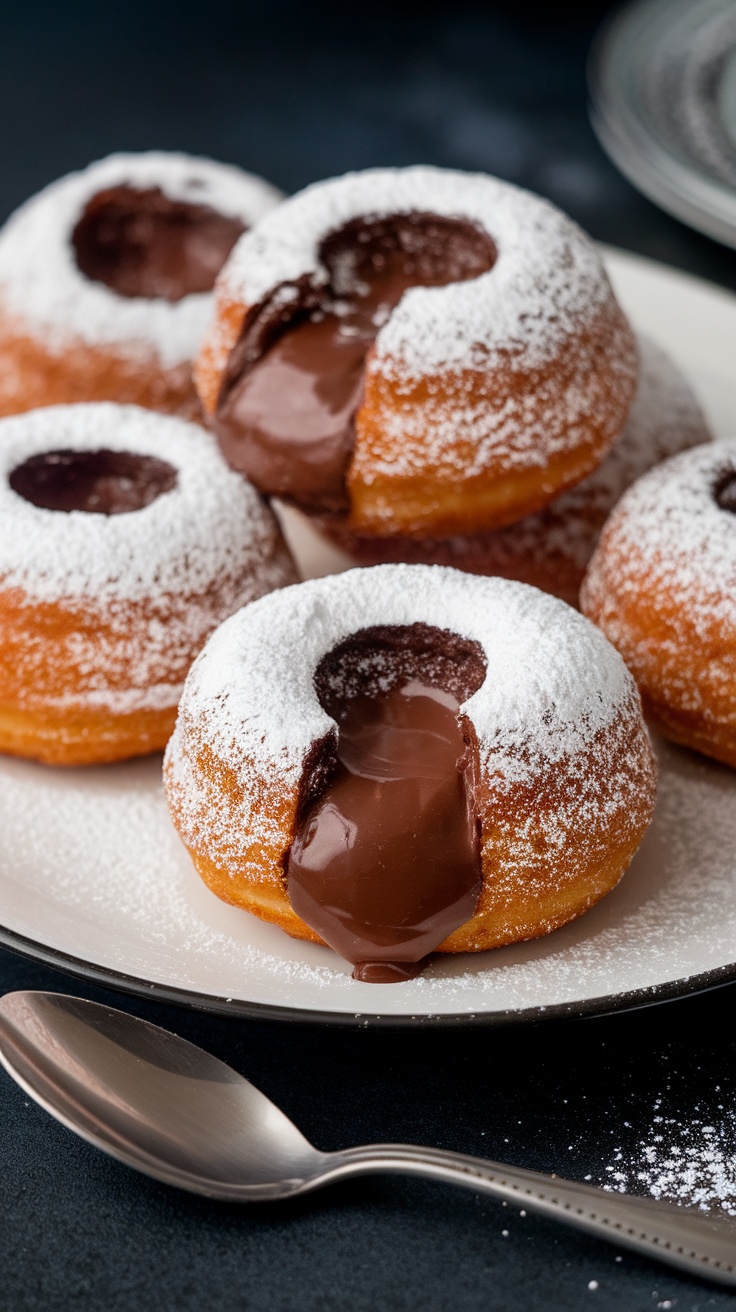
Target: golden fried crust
[(33, 375), (79, 736), (685, 664), (550, 848), (437, 502), (45, 711), (417, 484)]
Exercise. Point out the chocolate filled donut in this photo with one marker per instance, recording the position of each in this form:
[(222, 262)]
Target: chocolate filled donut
[(124, 541), (106, 279), (419, 351), (408, 759)]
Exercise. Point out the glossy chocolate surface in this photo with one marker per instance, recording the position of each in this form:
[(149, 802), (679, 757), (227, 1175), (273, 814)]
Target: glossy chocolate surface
[(294, 384), (726, 493), (143, 243), (100, 482), (386, 859)]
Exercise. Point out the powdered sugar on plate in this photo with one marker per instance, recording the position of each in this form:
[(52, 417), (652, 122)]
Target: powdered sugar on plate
[(42, 288), (106, 879)]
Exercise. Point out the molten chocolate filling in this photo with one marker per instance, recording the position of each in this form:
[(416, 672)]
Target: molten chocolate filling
[(294, 381), (143, 243), (726, 493), (100, 482), (386, 859)]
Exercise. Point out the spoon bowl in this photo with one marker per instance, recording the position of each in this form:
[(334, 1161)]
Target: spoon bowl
[(151, 1099), (172, 1111)]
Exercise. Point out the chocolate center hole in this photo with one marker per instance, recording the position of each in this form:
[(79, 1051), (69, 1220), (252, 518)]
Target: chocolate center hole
[(100, 482), (385, 862), (294, 381), (143, 243), (726, 493)]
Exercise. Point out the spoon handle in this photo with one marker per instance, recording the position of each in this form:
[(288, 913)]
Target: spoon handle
[(696, 1241)]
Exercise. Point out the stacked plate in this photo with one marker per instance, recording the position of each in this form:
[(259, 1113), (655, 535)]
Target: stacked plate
[(663, 90)]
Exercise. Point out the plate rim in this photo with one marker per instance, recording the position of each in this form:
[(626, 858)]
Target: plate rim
[(605, 1004)]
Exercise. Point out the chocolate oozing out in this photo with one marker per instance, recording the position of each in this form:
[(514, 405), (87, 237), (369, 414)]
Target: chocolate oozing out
[(143, 243), (293, 384), (726, 492), (386, 858), (101, 482)]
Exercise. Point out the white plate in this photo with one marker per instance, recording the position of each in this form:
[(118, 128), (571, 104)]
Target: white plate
[(94, 879)]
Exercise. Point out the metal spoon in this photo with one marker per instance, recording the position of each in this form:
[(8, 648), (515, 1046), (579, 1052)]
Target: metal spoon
[(172, 1111)]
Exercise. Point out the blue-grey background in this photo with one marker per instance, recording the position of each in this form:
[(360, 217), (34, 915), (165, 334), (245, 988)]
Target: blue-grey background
[(298, 92)]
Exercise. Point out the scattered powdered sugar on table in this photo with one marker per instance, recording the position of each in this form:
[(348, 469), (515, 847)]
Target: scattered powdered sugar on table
[(691, 1162), (42, 287)]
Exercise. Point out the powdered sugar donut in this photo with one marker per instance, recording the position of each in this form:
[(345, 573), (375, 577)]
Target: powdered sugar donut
[(506, 726), (551, 549), (662, 586), (424, 351), (124, 541), (105, 279)]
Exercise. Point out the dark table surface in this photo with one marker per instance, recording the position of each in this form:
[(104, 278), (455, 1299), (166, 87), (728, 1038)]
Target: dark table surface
[(299, 92)]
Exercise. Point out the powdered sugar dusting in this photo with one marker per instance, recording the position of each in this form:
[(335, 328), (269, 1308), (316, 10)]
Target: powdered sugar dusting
[(553, 682), (691, 1162), (42, 287), (671, 521), (665, 418), (552, 686), (662, 586), (212, 522), (547, 279), (146, 588)]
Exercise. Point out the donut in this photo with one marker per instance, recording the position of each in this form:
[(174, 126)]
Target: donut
[(408, 759), (421, 351), (124, 541), (106, 279), (551, 549), (662, 587)]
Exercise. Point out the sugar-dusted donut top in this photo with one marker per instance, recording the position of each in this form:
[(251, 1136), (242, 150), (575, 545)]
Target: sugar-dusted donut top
[(212, 525), (41, 284), (552, 683), (547, 281), (670, 526)]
